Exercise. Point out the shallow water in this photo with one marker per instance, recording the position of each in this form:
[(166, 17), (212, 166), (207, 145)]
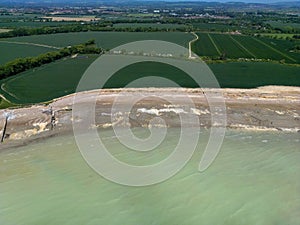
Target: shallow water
[(254, 180)]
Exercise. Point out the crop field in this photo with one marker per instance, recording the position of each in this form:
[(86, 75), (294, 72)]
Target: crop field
[(205, 47), (278, 36), (30, 24), (284, 26), (61, 78), (239, 46), (26, 20), (11, 51), (255, 74), (213, 27), (147, 25), (47, 82), (106, 40)]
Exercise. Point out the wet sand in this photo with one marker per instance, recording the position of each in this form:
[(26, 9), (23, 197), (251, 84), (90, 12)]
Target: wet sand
[(271, 108)]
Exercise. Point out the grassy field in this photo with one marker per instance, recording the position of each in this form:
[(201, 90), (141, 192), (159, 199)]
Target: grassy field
[(147, 25), (205, 46), (255, 74), (106, 40), (26, 20), (30, 24), (240, 46), (47, 82), (11, 51), (284, 26), (279, 36), (61, 78), (5, 104), (214, 27)]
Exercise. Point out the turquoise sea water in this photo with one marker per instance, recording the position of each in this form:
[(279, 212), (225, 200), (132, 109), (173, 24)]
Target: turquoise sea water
[(254, 180)]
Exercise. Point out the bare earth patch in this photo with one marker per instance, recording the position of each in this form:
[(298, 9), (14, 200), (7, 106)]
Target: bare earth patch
[(4, 30)]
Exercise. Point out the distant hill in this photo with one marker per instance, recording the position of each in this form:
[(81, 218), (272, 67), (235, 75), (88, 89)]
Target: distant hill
[(282, 3)]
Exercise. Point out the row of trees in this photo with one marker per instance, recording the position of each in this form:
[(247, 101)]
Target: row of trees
[(22, 64)]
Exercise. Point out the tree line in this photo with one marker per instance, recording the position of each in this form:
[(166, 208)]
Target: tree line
[(22, 64)]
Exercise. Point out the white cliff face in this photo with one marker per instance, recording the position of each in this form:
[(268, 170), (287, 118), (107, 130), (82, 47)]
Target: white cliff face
[(265, 108)]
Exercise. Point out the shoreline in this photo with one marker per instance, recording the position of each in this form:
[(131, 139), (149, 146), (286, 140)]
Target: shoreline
[(269, 108)]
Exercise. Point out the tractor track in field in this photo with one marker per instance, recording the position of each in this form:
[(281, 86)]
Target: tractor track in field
[(275, 50), (243, 47), (214, 43)]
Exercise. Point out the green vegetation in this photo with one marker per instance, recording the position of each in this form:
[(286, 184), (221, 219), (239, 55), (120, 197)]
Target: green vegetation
[(106, 40), (285, 27), (61, 77), (241, 46), (255, 74), (5, 104), (205, 47), (31, 24), (213, 26), (17, 50), (46, 82), (168, 26), (22, 64), (25, 31)]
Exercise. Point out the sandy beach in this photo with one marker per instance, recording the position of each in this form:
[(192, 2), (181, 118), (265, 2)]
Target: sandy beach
[(272, 108)]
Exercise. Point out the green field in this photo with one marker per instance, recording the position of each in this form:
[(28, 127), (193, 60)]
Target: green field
[(47, 82), (26, 20), (240, 46), (148, 25), (284, 26), (11, 51), (32, 24), (61, 78), (278, 36), (106, 40), (214, 27)]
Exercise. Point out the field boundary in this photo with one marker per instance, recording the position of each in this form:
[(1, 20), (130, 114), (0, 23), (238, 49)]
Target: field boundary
[(215, 45), (243, 47), (274, 49)]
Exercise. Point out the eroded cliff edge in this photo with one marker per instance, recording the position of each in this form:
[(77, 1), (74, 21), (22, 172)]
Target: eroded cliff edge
[(266, 108)]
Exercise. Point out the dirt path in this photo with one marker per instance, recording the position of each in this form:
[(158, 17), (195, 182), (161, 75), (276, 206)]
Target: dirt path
[(190, 45)]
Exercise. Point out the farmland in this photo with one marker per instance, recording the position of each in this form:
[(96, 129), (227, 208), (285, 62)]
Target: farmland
[(47, 82), (106, 40), (152, 25), (61, 78), (240, 46), (284, 25), (17, 50), (213, 27)]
